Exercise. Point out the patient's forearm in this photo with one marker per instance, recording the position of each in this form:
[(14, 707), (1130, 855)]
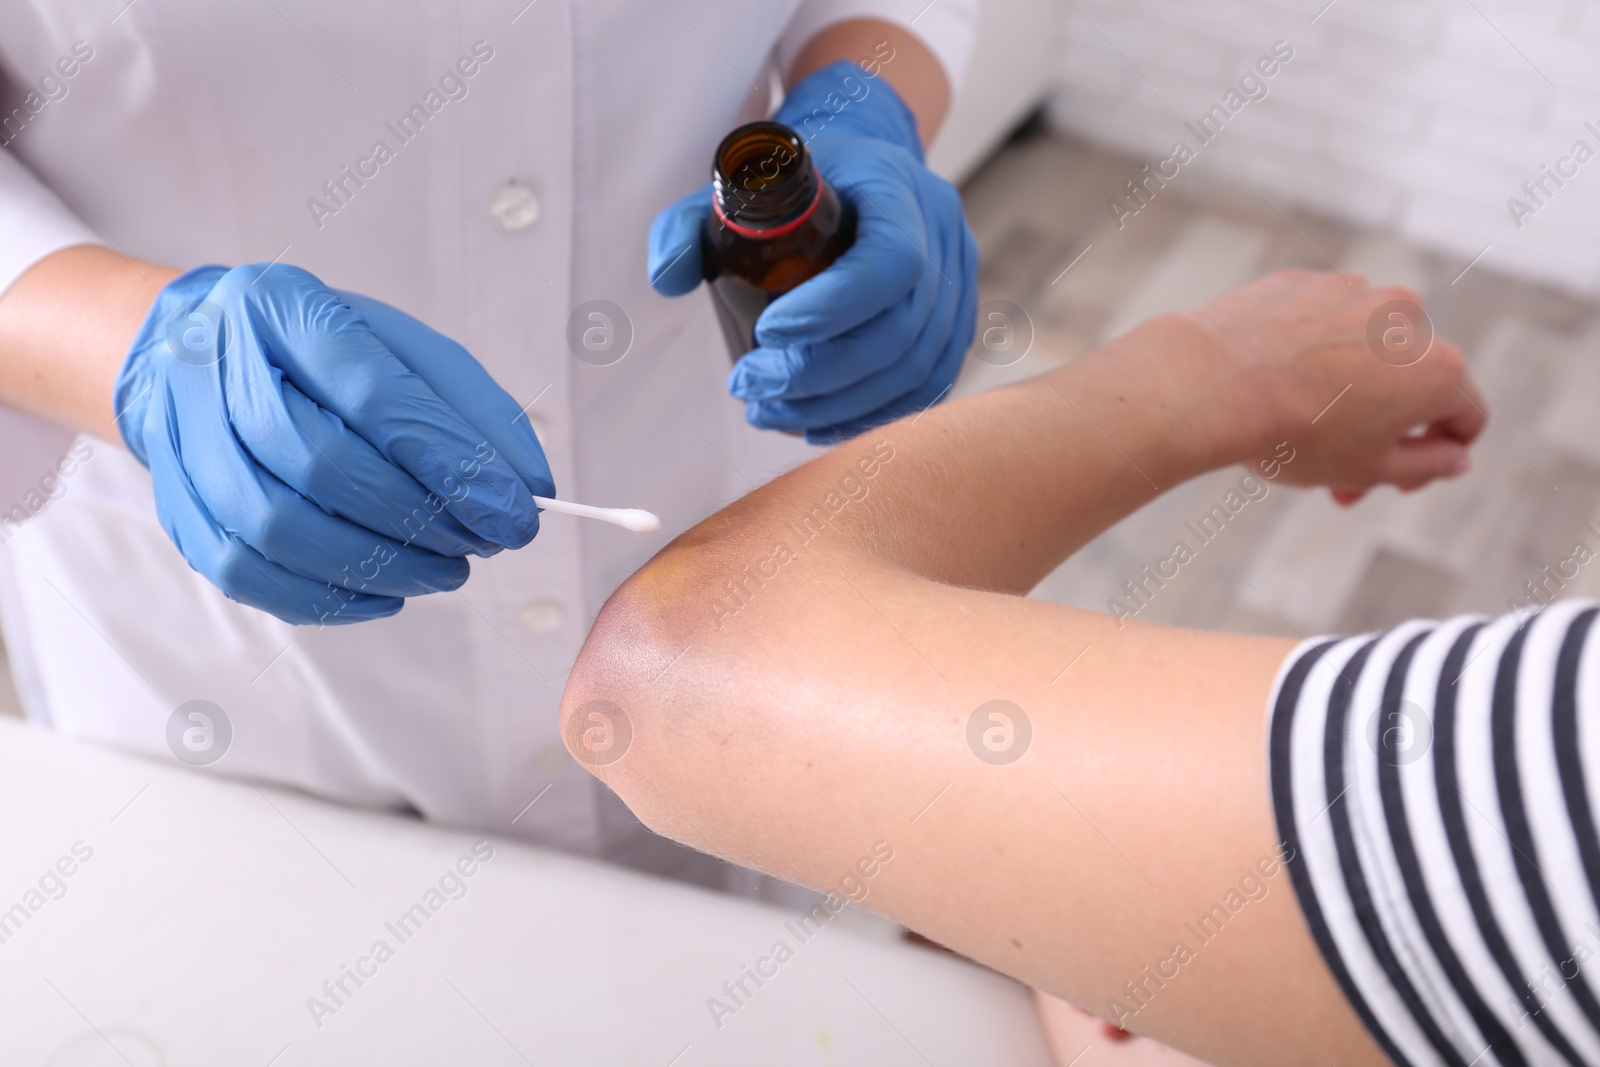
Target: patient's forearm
[(994, 491)]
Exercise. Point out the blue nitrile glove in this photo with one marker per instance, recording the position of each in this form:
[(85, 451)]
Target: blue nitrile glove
[(317, 454), (881, 332)]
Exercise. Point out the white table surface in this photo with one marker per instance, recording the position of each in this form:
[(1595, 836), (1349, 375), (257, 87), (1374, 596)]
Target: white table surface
[(210, 911)]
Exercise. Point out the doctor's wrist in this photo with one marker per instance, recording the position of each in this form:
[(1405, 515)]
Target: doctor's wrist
[(177, 311), (845, 99), (65, 327), (890, 55)]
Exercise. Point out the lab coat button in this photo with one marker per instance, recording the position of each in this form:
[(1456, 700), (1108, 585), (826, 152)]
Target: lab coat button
[(543, 616), (514, 207)]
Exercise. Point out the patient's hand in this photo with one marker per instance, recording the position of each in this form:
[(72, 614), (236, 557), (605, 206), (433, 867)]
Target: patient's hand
[(1292, 360)]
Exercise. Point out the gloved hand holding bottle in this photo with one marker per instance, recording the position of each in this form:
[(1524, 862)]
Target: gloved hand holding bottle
[(318, 454), (881, 332)]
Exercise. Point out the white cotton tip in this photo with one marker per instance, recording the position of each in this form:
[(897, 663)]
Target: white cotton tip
[(637, 519), (634, 519)]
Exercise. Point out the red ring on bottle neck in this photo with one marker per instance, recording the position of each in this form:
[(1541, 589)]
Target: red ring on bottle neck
[(773, 231)]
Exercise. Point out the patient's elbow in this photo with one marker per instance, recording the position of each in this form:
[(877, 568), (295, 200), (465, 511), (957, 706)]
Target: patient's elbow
[(631, 690), (606, 694)]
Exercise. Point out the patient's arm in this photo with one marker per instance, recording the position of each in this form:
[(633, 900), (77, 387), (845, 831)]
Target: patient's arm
[(798, 693)]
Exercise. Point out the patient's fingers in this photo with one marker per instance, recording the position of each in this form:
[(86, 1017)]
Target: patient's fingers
[(1347, 498), (1443, 451), (1467, 420), (1461, 412), (1415, 462), (1113, 1032)]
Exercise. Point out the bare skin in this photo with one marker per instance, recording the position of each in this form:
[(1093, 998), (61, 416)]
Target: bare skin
[(916, 74), (826, 706), (66, 325), (67, 322)]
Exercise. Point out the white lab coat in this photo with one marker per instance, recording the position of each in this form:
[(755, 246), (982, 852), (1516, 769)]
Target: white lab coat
[(200, 132)]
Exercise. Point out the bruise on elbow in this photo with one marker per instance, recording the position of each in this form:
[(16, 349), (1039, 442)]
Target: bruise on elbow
[(620, 692)]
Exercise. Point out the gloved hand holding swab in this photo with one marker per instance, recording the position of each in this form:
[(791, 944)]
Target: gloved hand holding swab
[(635, 519)]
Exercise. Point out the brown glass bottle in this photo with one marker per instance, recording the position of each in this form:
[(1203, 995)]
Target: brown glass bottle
[(774, 223)]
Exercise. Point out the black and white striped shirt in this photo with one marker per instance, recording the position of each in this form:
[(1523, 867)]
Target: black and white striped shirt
[(1435, 785)]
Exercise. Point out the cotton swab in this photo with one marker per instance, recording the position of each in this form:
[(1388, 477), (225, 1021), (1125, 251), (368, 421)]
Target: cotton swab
[(635, 519)]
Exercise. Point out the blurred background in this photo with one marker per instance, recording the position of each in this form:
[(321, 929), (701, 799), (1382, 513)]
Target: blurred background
[(1391, 143), (1418, 120)]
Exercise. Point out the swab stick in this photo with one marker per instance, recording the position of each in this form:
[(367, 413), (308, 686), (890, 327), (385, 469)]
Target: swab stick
[(635, 519)]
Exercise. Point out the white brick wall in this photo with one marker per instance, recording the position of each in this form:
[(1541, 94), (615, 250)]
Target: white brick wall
[(1422, 116)]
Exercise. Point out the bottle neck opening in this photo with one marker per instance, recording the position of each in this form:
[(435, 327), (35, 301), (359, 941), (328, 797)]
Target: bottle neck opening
[(763, 181)]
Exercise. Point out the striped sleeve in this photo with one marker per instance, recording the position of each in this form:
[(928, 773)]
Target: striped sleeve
[(1432, 786)]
